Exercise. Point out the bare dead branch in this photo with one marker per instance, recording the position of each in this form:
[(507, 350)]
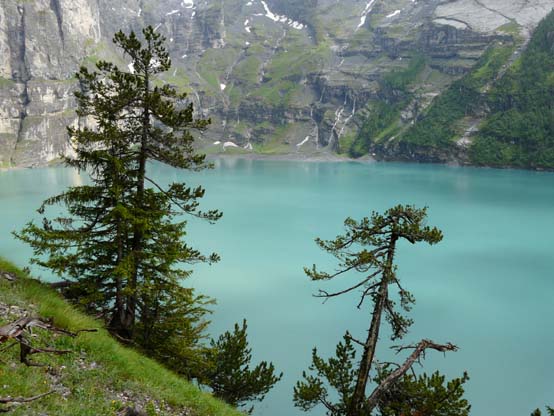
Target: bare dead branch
[(325, 294), (357, 341), (11, 400), (419, 351), (17, 330)]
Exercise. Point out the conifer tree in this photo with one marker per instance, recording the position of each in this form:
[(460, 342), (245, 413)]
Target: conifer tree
[(228, 373), (549, 410), (121, 240), (368, 247)]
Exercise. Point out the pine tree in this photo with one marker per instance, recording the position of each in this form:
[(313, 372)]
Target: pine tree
[(229, 375), (423, 395), (120, 239), (376, 240), (549, 410)]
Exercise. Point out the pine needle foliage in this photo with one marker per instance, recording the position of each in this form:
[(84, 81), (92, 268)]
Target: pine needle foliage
[(120, 238), (429, 395), (230, 376)]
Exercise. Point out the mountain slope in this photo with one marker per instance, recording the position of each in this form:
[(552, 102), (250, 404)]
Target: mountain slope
[(499, 114), (100, 377), (275, 76)]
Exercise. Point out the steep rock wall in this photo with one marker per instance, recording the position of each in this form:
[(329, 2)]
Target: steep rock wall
[(277, 82)]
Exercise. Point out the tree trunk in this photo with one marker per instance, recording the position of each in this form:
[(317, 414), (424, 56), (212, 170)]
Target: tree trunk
[(366, 361), (138, 234)]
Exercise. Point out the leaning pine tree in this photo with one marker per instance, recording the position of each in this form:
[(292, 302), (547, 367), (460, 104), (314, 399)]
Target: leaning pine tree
[(368, 249), (120, 241)]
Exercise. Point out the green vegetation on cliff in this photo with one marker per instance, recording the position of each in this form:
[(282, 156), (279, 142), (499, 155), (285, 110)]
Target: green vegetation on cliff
[(100, 377), (442, 123), (384, 115), (520, 129)]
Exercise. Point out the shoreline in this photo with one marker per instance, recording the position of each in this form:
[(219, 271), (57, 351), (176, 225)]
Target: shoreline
[(320, 157), (291, 157)]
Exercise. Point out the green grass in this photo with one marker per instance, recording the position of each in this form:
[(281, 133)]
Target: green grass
[(6, 83), (383, 121), (95, 373), (247, 70)]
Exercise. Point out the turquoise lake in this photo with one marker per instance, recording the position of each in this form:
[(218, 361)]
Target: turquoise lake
[(488, 287)]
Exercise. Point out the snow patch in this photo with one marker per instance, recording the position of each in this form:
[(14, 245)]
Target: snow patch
[(172, 12), (216, 143), (222, 87), (367, 10), (395, 13), (248, 146), (131, 67), (303, 142), (229, 144), (246, 26), (188, 4), (281, 18)]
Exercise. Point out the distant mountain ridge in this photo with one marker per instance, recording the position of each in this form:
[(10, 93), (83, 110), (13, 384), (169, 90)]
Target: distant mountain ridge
[(275, 76)]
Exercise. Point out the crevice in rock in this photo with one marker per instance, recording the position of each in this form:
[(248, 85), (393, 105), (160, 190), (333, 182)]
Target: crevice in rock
[(56, 8), (20, 72), (484, 6)]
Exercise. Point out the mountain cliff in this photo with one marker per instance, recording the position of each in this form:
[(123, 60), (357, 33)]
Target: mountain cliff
[(275, 76)]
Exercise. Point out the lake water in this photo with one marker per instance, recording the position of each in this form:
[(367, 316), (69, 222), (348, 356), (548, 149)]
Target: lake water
[(488, 287)]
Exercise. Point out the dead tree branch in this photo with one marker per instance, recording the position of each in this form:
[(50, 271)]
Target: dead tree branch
[(416, 355), (18, 330), (11, 400)]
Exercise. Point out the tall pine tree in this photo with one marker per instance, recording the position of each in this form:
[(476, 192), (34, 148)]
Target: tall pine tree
[(120, 239)]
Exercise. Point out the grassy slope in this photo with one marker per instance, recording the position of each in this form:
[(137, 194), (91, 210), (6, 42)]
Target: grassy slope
[(95, 379)]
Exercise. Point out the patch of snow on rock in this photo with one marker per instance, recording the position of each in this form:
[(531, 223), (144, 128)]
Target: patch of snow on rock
[(303, 142), (367, 10), (222, 87), (229, 144), (395, 13), (282, 19), (188, 4)]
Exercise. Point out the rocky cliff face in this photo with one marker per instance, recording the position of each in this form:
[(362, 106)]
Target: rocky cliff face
[(275, 75)]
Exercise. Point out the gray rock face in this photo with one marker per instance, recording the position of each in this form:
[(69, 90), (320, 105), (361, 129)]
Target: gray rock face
[(277, 75)]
